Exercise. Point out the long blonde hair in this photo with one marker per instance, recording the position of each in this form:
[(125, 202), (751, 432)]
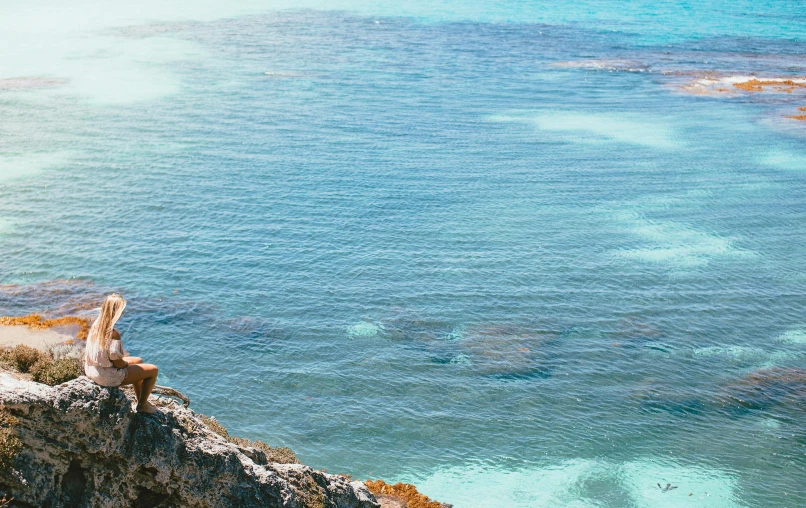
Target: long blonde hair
[(100, 333)]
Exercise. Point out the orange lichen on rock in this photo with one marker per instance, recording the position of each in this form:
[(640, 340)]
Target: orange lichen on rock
[(403, 494), (781, 85), (36, 322)]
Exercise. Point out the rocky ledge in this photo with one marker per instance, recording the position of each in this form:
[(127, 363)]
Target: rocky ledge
[(82, 445)]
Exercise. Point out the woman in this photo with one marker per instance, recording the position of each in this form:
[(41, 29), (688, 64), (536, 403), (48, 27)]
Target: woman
[(106, 363)]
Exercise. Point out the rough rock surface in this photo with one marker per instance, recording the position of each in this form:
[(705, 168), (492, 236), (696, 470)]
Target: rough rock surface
[(84, 446)]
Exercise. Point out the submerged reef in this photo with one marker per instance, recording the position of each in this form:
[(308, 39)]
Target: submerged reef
[(501, 351), (52, 298), (80, 444), (776, 387), (505, 352), (766, 388)]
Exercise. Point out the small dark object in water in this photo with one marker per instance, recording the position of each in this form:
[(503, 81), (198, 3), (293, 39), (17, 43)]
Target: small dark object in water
[(668, 487)]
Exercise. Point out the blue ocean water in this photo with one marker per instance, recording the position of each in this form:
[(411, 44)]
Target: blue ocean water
[(494, 249)]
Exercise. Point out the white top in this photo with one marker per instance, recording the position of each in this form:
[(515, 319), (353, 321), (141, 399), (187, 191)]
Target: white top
[(100, 358)]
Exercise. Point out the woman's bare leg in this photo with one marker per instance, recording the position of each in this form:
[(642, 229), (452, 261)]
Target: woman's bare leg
[(145, 375), (138, 385), (145, 390)]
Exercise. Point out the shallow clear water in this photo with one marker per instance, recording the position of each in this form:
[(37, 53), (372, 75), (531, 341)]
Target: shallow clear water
[(413, 242)]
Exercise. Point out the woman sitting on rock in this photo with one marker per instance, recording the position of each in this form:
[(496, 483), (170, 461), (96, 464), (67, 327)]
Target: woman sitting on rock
[(105, 360)]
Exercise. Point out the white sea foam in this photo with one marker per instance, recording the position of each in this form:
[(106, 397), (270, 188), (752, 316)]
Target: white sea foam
[(457, 332), (606, 64), (757, 357), (364, 329), (6, 227), (770, 424), (13, 167), (782, 159), (793, 337), (735, 352), (72, 44), (582, 483), (675, 243), (129, 71), (462, 360), (581, 127)]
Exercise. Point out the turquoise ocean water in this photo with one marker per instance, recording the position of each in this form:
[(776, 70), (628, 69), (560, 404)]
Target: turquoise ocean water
[(490, 248)]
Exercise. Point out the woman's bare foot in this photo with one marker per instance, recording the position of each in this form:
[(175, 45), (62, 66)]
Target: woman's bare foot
[(147, 408)]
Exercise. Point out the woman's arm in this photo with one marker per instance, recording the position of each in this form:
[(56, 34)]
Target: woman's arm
[(118, 363)]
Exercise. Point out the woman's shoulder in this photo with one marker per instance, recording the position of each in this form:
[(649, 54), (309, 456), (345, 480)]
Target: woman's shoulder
[(115, 334)]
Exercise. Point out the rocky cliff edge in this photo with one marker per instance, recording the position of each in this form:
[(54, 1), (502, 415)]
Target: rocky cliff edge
[(84, 446)]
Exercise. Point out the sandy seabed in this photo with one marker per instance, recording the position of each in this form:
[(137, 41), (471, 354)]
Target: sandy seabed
[(11, 336)]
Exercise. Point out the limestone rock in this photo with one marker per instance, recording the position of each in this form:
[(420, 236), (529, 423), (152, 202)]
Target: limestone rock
[(84, 446)]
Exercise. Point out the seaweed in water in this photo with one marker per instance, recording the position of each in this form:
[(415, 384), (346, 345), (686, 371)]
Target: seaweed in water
[(779, 85), (403, 493), (506, 353), (801, 118), (62, 297), (766, 388)]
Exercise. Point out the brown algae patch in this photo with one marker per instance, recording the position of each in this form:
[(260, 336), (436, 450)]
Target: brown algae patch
[(504, 351), (400, 494), (37, 322), (771, 89), (714, 84), (777, 85), (801, 118), (767, 387)]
